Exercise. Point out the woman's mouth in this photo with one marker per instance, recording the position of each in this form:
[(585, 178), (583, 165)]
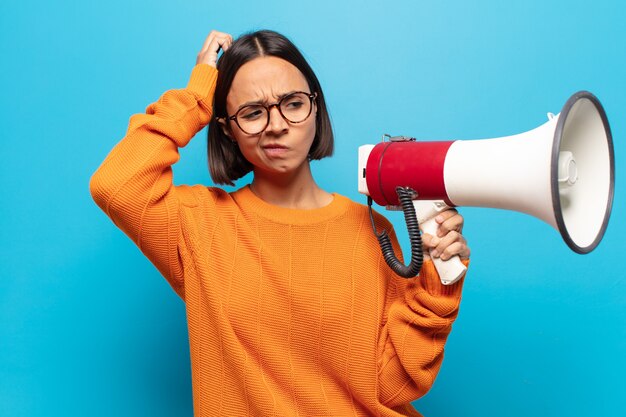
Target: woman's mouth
[(275, 149)]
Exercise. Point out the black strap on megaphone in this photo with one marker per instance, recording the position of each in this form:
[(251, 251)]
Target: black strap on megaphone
[(410, 217)]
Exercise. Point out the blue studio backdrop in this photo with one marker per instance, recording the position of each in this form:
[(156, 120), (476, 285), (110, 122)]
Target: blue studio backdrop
[(89, 328)]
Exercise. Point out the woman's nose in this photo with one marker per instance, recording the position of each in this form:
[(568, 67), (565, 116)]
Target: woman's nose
[(277, 122)]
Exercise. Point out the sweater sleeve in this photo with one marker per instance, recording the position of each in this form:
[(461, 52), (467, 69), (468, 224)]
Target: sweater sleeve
[(418, 317), (133, 186)]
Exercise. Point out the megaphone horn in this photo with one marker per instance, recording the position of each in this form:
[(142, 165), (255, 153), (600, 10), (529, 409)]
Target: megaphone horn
[(561, 172)]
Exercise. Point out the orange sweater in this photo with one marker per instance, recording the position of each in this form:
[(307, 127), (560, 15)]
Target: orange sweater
[(290, 312)]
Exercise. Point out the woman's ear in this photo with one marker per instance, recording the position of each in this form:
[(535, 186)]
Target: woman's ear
[(225, 127)]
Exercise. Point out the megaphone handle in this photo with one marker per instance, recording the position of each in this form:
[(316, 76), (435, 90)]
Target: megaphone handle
[(451, 270)]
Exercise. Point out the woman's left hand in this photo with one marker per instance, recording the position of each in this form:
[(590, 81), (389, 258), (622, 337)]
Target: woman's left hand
[(449, 240)]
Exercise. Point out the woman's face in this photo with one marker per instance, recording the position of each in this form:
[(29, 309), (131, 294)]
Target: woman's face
[(283, 147)]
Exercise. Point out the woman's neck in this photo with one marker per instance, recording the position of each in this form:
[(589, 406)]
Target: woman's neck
[(298, 191)]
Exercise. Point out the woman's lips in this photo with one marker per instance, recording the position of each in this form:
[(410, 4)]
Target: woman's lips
[(274, 150)]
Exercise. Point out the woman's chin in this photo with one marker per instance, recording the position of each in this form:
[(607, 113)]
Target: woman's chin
[(283, 167)]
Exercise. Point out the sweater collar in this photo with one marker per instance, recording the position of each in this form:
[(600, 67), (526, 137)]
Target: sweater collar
[(249, 202)]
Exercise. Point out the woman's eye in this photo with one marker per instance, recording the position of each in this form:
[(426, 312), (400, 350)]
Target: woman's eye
[(293, 103), (252, 114)]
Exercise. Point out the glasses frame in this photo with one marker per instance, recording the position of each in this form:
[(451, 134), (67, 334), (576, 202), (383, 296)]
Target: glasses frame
[(268, 107)]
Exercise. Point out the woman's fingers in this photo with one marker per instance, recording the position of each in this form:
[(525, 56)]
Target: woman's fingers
[(212, 44), (437, 245), (453, 243), (223, 37), (448, 221), (456, 248)]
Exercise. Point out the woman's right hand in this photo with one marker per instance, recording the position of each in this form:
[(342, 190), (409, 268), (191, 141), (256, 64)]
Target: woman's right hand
[(212, 45)]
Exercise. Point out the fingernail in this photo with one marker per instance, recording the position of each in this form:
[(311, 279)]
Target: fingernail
[(439, 219), (434, 253)]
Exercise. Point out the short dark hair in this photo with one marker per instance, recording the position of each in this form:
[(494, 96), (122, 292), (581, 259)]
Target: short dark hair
[(226, 162)]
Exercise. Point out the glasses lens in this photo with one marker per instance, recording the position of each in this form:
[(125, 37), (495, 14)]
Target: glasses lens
[(252, 119), (296, 107)]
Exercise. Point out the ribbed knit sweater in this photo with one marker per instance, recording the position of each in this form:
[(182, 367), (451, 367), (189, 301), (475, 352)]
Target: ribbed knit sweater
[(290, 312)]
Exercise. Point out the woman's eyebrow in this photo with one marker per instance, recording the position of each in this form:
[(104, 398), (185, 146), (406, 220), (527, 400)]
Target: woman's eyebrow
[(280, 97)]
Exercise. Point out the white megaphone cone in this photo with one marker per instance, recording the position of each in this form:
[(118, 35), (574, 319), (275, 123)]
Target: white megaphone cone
[(561, 172)]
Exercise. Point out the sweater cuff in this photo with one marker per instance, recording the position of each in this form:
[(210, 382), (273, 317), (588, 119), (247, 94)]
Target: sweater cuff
[(202, 81), (428, 280)]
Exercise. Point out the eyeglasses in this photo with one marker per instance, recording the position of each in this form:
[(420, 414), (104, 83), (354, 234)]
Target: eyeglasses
[(294, 108)]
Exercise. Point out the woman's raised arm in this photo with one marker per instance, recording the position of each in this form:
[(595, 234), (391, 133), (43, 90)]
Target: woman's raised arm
[(133, 186)]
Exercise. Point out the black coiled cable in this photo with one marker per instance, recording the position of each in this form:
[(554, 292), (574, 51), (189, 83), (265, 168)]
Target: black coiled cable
[(415, 237)]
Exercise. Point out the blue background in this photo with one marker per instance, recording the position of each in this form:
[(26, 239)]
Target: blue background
[(88, 326)]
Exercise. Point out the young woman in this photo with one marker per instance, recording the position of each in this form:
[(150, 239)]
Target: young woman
[(291, 308)]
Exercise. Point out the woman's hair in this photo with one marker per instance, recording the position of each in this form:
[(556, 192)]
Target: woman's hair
[(226, 162)]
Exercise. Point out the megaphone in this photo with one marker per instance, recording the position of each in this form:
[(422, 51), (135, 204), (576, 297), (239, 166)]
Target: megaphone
[(561, 172)]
